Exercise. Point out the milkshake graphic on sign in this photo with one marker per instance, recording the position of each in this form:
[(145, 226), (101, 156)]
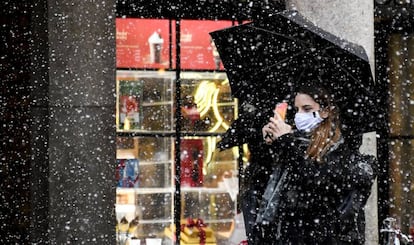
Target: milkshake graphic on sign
[(155, 42)]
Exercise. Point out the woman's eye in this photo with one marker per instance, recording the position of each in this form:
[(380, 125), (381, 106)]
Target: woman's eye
[(307, 108)]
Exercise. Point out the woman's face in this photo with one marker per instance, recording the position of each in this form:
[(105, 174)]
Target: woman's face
[(304, 103)]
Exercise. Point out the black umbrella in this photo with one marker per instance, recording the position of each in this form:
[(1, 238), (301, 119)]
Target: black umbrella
[(267, 59)]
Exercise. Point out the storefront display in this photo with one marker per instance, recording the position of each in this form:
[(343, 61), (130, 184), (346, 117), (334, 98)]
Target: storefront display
[(146, 127), (145, 165)]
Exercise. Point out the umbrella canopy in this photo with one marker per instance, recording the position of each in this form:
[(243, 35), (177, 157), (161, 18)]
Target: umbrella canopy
[(266, 60)]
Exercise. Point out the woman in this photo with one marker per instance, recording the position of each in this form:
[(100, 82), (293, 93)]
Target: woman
[(319, 186)]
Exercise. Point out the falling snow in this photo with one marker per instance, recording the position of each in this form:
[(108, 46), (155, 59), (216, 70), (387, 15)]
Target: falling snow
[(96, 150)]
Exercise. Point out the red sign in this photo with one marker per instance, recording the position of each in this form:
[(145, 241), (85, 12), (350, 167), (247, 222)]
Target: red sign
[(197, 49), (142, 43)]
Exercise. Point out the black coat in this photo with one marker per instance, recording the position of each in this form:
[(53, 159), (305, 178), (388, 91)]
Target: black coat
[(311, 203)]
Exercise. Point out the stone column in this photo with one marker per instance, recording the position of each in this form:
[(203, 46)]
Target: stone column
[(73, 143), (39, 114), (352, 20)]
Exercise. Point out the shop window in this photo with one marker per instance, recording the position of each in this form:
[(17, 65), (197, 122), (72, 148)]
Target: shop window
[(152, 140)]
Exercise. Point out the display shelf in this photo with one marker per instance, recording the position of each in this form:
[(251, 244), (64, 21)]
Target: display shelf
[(125, 208), (129, 191), (155, 162), (204, 190), (146, 190), (157, 103), (155, 221)]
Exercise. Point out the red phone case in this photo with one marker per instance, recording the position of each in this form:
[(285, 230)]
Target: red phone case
[(281, 109)]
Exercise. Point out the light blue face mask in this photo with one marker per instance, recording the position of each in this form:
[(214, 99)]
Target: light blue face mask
[(306, 121)]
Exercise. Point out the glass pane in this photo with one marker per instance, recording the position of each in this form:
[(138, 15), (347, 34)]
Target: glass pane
[(145, 160), (144, 200), (142, 43), (211, 196), (144, 101), (207, 102), (198, 51)]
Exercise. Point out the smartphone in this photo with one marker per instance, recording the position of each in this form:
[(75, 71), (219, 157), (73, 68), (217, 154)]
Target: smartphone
[(281, 109)]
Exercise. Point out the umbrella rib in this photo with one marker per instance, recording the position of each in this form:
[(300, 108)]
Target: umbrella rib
[(279, 34), (329, 58), (286, 59)]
